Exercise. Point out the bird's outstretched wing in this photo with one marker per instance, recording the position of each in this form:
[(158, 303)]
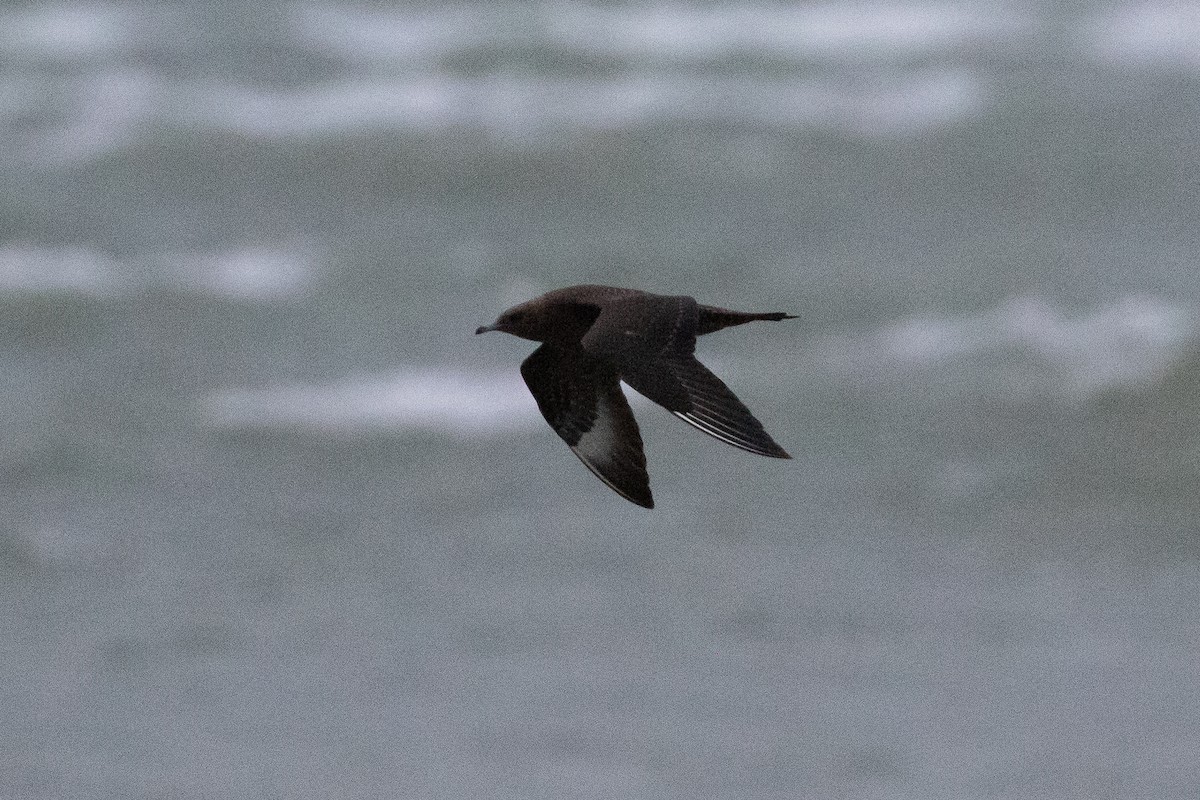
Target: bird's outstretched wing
[(580, 396), (651, 340), (712, 408)]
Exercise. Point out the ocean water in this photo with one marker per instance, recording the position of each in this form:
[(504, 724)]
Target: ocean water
[(275, 524)]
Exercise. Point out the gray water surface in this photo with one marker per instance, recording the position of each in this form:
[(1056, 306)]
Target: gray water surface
[(275, 524)]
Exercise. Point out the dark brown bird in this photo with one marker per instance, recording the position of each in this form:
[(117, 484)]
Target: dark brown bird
[(592, 338)]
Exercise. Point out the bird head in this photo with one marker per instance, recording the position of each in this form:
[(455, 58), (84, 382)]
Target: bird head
[(523, 321)]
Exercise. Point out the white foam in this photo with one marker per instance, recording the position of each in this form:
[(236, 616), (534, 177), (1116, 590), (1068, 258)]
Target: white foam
[(458, 402), (874, 68), (838, 31), (903, 29), (420, 102), (93, 115), (397, 80), (1148, 33), (657, 31), (254, 273), (654, 40), (903, 104), (522, 106), (1130, 342), (64, 30), (400, 35), (30, 269)]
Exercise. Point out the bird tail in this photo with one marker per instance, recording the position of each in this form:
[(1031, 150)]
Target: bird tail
[(714, 319)]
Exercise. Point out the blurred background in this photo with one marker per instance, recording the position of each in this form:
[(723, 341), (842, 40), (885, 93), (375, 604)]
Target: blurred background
[(274, 524)]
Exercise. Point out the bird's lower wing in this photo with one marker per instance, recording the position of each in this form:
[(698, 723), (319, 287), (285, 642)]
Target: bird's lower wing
[(582, 400), (708, 404)]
